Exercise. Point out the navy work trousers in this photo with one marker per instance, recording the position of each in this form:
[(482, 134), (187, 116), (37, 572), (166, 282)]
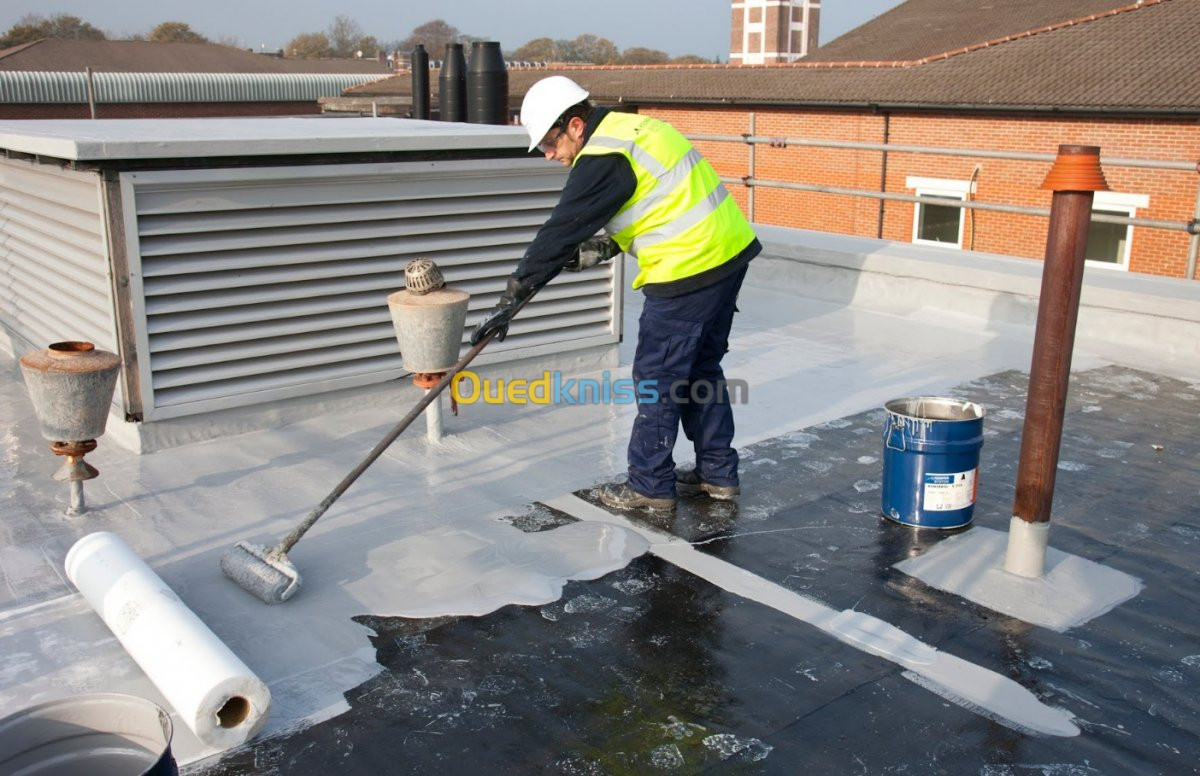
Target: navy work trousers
[(681, 341)]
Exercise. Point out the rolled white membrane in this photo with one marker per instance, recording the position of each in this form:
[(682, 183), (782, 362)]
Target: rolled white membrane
[(210, 688)]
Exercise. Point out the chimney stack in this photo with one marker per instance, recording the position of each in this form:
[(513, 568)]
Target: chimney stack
[(772, 31)]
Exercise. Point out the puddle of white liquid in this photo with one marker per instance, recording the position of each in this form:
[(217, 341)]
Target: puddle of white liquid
[(457, 572)]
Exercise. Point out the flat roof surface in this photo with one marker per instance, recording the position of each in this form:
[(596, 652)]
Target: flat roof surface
[(115, 139), (449, 619)]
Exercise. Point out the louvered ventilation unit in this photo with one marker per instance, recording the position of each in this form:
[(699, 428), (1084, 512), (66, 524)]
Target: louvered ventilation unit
[(253, 284), (53, 257)]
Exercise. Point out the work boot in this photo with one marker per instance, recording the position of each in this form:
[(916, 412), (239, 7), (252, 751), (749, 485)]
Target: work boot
[(622, 496), (687, 481)]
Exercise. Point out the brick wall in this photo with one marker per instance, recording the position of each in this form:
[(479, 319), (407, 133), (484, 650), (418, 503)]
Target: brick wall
[(736, 30), (1154, 251)]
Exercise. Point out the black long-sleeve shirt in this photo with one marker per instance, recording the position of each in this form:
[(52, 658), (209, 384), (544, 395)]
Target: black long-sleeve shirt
[(596, 188)]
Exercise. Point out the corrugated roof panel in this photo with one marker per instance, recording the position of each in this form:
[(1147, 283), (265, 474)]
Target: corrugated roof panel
[(56, 87)]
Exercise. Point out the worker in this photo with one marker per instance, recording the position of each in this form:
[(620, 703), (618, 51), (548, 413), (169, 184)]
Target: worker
[(659, 201)]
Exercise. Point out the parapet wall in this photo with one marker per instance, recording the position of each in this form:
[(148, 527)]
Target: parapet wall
[(1120, 312)]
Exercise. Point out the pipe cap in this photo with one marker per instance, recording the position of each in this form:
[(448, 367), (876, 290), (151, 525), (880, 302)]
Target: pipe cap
[(1077, 168)]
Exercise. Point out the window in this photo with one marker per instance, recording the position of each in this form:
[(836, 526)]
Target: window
[(938, 224), (1108, 244)]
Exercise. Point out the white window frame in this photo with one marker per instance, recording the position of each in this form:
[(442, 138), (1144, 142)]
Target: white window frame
[(1127, 204), (947, 188)]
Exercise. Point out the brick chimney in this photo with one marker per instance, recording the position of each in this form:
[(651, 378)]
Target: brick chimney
[(769, 31)]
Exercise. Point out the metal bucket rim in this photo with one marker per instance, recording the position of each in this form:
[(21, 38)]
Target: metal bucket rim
[(44, 712), (925, 526), (893, 408)]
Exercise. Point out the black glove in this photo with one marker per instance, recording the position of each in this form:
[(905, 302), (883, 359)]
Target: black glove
[(592, 251), (496, 322)]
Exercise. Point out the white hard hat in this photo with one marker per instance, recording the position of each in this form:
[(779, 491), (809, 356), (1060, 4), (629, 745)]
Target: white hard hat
[(545, 102)]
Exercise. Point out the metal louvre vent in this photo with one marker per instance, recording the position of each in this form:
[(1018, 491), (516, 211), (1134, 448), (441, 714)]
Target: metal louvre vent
[(53, 256), (264, 283)]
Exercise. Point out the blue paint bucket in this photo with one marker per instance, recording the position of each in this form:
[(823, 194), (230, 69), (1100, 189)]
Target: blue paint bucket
[(931, 461)]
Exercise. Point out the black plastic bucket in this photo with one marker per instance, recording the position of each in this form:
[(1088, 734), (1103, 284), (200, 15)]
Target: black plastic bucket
[(487, 84), (100, 734)]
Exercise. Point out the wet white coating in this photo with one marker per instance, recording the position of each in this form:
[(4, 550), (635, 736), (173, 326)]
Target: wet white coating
[(1070, 592), (1028, 541), (458, 572), (952, 677), (807, 362)]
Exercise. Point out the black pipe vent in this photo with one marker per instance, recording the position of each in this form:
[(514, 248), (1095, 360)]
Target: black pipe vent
[(452, 85), (420, 83), (487, 84)]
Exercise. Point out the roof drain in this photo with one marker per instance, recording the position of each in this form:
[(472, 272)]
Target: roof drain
[(71, 386), (429, 319)]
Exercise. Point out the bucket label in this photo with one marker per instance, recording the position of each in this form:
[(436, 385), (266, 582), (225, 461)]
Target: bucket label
[(948, 492)]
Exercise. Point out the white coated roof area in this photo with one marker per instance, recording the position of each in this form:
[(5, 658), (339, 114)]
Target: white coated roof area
[(424, 532), (113, 139)]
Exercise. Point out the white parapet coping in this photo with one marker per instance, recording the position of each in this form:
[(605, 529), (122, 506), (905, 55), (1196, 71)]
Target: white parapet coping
[(1121, 314)]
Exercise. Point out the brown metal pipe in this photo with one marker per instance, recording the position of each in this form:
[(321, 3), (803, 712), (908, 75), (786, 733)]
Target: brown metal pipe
[(1075, 178)]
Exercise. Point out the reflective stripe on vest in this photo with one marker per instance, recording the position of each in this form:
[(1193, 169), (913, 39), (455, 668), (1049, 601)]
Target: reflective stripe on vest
[(680, 221)]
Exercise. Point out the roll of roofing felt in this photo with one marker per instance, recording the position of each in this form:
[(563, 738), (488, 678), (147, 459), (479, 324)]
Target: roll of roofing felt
[(210, 688)]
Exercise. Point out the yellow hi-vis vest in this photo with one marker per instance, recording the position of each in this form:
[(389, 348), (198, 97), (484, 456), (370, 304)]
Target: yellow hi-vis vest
[(680, 220)]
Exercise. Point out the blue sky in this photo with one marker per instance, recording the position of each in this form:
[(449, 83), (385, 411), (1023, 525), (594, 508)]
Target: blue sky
[(676, 26)]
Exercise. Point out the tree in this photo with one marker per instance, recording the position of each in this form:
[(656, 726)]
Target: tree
[(537, 50), (594, 49), (175, 32), (65, 26), (644, 56), (32, 27), (585, 48), (433, 36), (368, 47), (691, 59), (346, 39), (564, 51), (312, 45)]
